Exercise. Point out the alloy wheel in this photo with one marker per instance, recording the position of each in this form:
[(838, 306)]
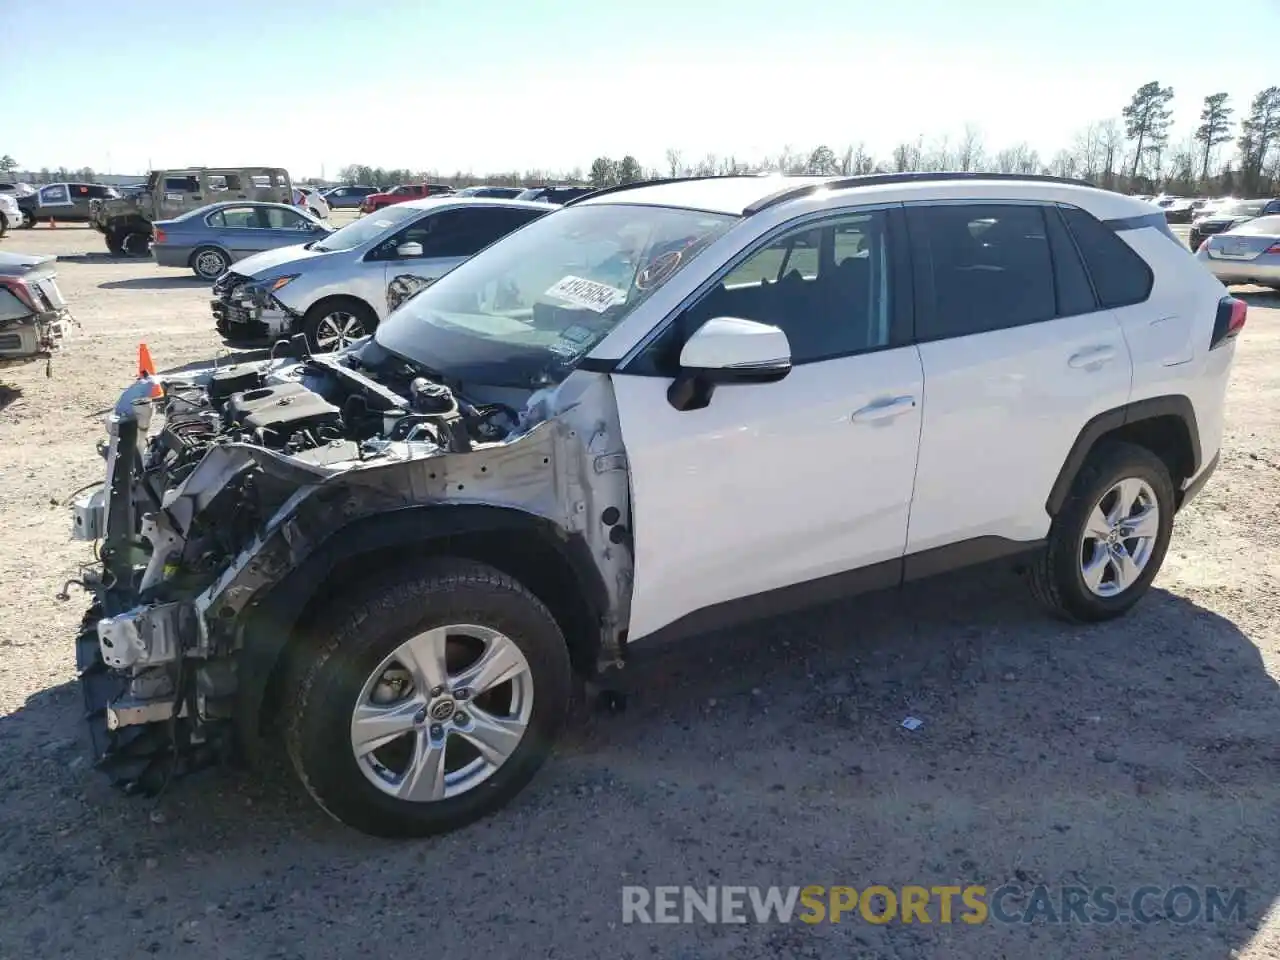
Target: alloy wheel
[(442, 713), (339, 329), (1119, 537), (210, 264)]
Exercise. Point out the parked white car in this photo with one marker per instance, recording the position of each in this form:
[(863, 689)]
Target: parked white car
[(658, 410), (311, 200), (10, 213), (337, 289)]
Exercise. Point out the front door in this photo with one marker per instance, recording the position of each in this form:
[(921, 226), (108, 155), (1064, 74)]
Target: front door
[(781, 484), (447, 238)]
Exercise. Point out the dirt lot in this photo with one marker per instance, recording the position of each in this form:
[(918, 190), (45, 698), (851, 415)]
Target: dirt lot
[(1145, 752)]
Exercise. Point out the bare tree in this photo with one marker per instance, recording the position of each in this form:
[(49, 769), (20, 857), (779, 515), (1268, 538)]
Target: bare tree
[(1064, 164), (938, 158), (907, 157), (1111, 140), (675, 162), (968, 154), (1089, 152)]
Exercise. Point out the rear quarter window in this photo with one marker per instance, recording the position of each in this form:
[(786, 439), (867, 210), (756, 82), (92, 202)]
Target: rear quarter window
[(1120, 277)]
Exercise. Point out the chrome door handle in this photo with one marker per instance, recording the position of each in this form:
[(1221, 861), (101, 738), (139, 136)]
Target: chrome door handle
[(1093, 358), (884, 409)]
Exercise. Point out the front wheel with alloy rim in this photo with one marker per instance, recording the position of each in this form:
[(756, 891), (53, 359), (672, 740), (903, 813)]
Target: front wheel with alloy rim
[(428, 700), (336, 323), (209, 263), (1109, 539)]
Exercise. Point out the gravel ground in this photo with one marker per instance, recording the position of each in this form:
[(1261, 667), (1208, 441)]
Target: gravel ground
[(1144, 752)]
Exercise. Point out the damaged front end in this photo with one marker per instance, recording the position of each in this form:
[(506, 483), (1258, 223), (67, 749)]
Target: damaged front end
[(222, 484), (247, 310)]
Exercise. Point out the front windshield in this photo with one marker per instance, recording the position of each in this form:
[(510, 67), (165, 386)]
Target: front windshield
[(523, 312), (366, 228), (1250, 208)]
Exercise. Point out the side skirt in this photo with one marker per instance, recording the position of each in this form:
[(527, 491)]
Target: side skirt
[(840, 586)]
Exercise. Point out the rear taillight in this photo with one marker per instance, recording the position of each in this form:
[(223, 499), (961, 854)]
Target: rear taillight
[(1274, 248), (159, 236), (23, 292), (1229, 321)]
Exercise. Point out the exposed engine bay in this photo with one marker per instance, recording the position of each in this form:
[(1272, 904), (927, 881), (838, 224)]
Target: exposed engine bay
[(223, 481)]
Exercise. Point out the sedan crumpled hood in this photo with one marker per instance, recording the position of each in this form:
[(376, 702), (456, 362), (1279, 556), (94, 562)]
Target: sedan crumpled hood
[(26, 264), (271, 261)]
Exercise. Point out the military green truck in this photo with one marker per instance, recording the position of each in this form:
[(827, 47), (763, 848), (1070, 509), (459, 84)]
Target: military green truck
[(126, 221)]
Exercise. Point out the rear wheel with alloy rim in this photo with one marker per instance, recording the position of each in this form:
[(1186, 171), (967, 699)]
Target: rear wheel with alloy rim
[(333, 324), (429, 700), (1109, 539), (209, 263)]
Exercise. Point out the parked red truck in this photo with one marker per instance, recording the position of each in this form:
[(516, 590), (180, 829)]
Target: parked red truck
[(406, 191)]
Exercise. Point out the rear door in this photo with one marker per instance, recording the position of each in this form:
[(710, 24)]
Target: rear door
[(1017, 357)]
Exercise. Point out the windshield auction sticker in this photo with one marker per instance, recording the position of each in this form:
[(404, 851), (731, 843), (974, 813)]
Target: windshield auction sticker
[(593, 296)]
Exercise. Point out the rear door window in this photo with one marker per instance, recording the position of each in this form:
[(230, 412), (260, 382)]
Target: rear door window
[(1120, 277), (980, 267)]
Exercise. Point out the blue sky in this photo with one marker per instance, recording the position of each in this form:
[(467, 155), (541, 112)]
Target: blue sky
[(487, 86)]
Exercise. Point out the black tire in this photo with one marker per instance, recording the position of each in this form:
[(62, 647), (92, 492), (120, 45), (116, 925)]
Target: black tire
[(1056, 578), (28, 220), (136, 243), (4, 224), (203, 258), (358, 631), (312, 320), (115, 243)]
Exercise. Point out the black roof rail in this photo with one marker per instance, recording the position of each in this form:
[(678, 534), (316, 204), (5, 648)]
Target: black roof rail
[(878, 179), (618, 188)]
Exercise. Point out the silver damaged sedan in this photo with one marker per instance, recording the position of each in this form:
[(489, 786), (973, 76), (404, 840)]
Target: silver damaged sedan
[(337, 289)]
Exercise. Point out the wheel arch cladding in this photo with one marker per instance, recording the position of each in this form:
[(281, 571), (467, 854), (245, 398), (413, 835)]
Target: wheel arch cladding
[(1164, 425), (556, 568)]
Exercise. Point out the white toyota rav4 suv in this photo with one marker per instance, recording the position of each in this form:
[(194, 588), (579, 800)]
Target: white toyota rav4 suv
[(659, 409)]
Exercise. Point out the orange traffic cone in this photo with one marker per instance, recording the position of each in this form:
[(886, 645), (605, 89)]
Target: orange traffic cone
[(146, 366)]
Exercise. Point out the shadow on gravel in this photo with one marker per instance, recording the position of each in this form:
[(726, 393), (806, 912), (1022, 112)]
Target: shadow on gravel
[(1140, 753), (9, 395), (99, 258), (154, 283), (234, 354)]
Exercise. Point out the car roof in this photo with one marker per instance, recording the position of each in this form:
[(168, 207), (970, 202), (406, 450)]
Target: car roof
[(742, 195), (452, 200)]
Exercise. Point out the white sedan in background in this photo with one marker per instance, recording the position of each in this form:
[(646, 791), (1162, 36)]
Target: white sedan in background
[(10, 214), (311, 200), (1249, 253)]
